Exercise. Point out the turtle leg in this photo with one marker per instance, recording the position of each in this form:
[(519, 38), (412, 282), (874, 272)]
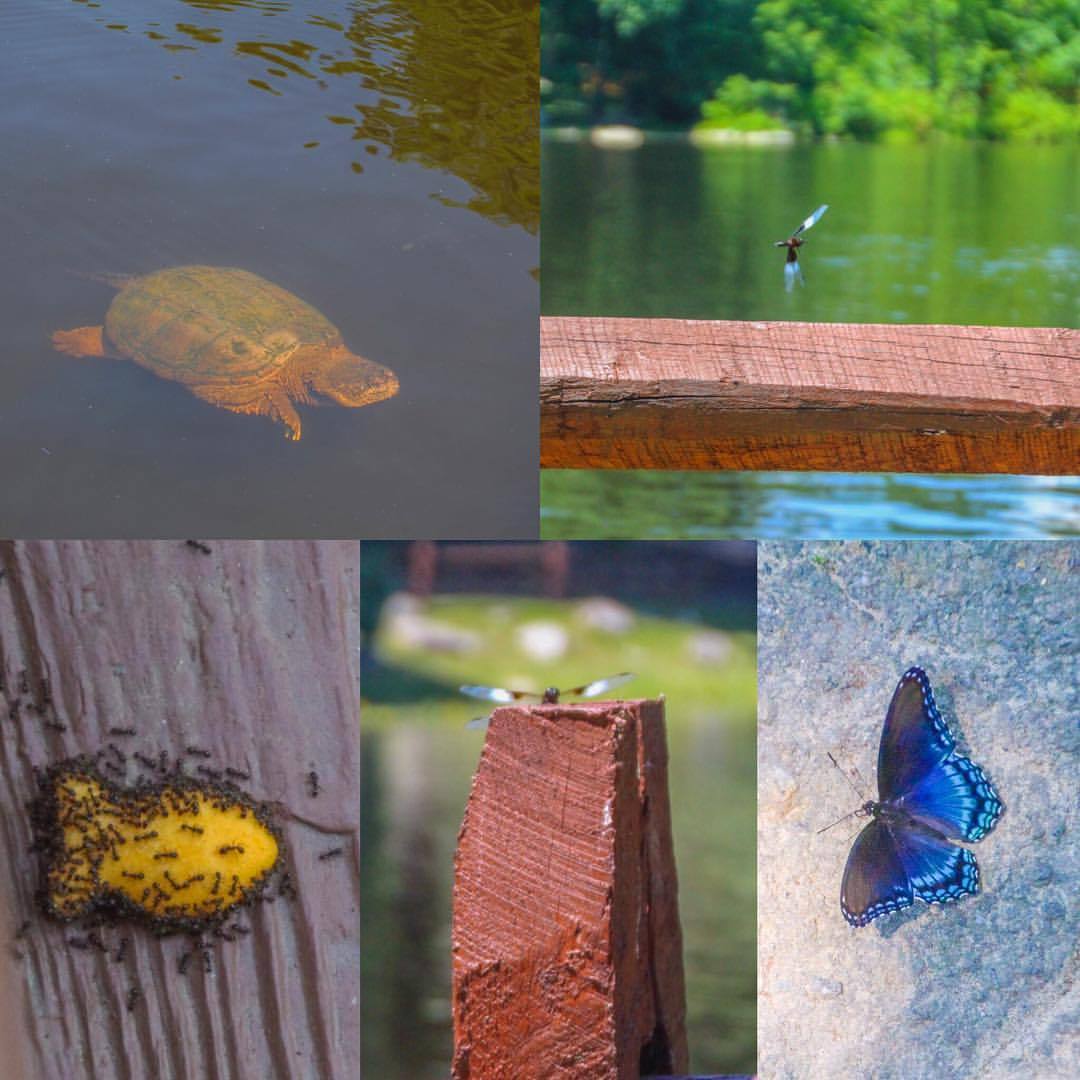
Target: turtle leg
[(272, 402), (276, 404), (82, 341)]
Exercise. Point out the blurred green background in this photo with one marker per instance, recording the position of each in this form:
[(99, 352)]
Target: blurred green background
[(681, 616), (897, 70)]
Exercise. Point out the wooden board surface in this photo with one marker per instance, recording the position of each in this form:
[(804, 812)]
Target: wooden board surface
[(252, 652), (566, 941), (681, 394)]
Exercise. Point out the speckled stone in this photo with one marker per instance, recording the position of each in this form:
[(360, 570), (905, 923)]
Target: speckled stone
[(981, 987)]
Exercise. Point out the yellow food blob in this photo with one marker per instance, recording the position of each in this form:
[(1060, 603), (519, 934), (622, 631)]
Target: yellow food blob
[(179, 852)]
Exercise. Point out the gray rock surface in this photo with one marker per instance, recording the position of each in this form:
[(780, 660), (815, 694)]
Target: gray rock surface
[(983, 987)]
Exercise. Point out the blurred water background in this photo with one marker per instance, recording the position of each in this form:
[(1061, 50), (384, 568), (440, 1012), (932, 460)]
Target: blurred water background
[(681, 616)]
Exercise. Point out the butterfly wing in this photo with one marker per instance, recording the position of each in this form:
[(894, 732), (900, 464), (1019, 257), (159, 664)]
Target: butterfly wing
[(938, 871), (915, 738), (920, 772), (956, 799), (875, 880)]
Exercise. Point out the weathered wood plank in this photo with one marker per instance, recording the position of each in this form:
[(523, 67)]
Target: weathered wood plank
[(251, 651), (567, 949), (680, 394)]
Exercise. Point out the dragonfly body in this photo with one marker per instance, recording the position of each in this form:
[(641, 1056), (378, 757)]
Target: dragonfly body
[(792, 270)]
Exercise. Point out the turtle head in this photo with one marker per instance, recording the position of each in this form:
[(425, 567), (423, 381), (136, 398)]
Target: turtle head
[(351, 380)]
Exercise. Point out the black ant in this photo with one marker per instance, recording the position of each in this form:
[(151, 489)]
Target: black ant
[(333, 853), (199, 546)]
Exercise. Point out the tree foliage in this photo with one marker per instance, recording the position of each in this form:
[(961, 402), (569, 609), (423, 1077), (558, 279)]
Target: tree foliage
[(864, 68)]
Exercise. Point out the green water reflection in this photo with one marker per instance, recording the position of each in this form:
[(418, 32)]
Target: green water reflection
[(450, 84), (418, 762), (965, 233)]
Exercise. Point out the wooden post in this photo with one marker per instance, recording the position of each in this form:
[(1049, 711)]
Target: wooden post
[(249, 650), (567, 949), (678, 394)]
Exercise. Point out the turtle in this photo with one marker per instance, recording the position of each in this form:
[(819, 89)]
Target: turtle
[(233, 339)]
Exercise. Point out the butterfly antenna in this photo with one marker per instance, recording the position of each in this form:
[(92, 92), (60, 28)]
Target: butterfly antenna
[(837, 822), (846, 777)]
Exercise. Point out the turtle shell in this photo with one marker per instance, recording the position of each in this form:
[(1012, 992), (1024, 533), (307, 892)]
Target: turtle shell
[(210, 324)]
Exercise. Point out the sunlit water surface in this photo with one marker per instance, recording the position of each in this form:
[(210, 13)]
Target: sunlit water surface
[(786, 505), (378, 159)]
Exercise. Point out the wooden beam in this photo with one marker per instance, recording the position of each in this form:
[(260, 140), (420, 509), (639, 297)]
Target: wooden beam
[(567, 949), (680, 394), (248, 649)]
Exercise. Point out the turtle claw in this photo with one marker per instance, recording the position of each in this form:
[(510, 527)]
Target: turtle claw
[(82, 341)]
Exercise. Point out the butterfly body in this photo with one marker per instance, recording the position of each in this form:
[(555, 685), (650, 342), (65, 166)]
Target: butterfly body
[(928, 796)]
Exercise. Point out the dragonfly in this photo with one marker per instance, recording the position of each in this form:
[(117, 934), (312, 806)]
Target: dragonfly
[(551, 696), (792, 273)]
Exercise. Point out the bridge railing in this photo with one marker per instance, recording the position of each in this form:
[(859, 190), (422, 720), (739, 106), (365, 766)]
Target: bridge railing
[(682, 394)]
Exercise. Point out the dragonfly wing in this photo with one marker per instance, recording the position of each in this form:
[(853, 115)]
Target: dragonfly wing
[(491, 693), (601, 686), (479, 723), (813, 219), (791, 272)]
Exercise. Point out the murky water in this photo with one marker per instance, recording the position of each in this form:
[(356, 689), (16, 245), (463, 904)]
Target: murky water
[(376, 159), (951, 233)]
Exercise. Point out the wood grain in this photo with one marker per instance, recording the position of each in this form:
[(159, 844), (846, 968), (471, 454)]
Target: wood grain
[(251, 652), (680, 394), (567, 949)]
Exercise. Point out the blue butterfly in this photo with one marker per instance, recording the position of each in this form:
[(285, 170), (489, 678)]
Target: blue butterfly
[(928, 795)]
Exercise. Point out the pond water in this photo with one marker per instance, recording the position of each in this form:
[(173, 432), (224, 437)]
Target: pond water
[(950, 233), (640, 505), (377, 159)]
